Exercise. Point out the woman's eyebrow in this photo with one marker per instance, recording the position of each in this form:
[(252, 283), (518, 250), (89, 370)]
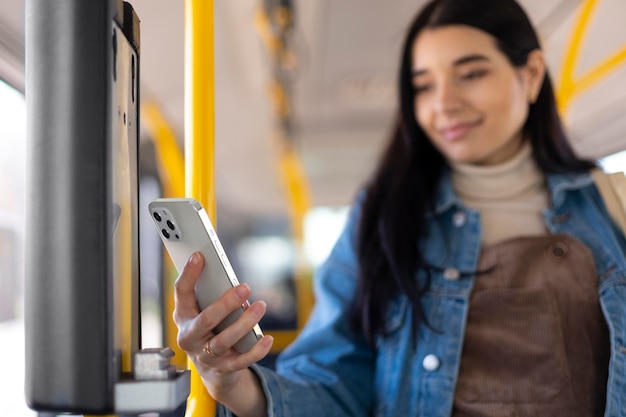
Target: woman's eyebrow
[(457, 63), (469, 58)]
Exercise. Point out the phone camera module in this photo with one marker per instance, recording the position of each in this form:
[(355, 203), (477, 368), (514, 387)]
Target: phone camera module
[(165, 233), (170, 225), (157, 216)]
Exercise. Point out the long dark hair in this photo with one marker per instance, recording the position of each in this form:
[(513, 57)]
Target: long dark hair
[(403, 186)]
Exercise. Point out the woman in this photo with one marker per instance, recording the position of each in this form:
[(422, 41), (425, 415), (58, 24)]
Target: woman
[(479, 273)]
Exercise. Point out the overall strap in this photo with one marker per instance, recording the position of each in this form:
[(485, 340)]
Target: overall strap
[(612, 187)]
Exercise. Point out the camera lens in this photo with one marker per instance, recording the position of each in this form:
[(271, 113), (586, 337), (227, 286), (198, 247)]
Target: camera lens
[(157, 217), (165, 233), (170, 225)]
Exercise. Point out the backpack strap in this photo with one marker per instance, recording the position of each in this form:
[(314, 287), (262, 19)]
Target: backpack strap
[(612, 188)]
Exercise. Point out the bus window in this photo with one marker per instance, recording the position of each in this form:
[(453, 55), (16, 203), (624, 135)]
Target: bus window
[(12, 198), (615, 162)]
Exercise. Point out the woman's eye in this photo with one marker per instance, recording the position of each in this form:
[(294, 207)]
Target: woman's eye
[(421, 88)]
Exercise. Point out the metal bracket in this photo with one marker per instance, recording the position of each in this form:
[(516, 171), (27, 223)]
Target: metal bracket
[(153, 386)]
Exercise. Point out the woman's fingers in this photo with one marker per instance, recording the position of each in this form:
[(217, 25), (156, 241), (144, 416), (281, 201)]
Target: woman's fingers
[(196, 328), (232, 361), (233, 333), (186, 306), (202, 326)]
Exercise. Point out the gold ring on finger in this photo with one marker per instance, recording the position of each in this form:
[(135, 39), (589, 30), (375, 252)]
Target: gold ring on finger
[(209, 351)]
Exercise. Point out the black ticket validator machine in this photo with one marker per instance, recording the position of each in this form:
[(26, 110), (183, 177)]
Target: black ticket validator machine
[(83, 354)]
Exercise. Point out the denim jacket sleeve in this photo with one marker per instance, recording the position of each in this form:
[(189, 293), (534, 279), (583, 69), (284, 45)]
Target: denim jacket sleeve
[(327, 370)]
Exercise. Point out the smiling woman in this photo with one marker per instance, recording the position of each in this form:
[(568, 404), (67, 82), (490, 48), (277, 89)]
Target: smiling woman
[(475, 259), (469, 98), (470, 264)]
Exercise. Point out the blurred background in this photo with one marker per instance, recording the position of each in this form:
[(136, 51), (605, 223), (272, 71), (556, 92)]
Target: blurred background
[(304, 94)]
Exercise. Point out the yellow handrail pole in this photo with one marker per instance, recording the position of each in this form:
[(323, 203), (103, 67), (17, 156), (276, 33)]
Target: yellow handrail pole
[(297, 189), (169, 157), (199, 105), (291, 172), (569, 87), (567, 84), (199, 143), (600, 72)]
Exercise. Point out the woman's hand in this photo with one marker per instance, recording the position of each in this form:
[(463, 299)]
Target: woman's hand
[(224, 371)]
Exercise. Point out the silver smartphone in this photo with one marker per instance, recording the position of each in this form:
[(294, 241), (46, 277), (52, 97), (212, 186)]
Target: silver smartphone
[(185, 228)]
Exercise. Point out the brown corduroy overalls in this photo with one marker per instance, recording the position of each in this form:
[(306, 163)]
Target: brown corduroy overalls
[(536, 343)]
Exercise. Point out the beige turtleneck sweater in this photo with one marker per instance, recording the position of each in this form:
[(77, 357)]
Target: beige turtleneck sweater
[(510, 197)]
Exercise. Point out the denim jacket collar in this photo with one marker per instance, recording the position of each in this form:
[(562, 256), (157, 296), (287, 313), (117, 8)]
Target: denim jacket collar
[(445, 197), (560, 184)]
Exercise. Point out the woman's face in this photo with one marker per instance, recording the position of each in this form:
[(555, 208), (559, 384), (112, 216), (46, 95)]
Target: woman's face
[(469, 99)]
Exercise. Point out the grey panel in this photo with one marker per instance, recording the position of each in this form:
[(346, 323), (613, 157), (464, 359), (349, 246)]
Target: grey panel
[(70, 363)]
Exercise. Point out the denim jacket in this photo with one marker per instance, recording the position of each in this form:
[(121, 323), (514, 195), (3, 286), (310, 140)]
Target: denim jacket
[(329, 372)]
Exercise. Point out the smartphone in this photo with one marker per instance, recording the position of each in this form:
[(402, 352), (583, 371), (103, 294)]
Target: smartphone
[(185, 228)]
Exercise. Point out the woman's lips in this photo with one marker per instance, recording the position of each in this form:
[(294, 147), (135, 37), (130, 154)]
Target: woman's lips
[(458, 130)]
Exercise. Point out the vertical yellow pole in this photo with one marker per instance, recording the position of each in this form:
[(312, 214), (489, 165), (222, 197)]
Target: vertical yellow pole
[(199, 105), (199, 143)]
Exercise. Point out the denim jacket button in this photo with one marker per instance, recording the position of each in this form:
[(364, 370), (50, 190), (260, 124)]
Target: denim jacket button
[(451, 274), (459, 218), (430, 363)]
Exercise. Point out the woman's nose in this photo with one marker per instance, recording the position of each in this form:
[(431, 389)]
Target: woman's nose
[(448, 99)]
